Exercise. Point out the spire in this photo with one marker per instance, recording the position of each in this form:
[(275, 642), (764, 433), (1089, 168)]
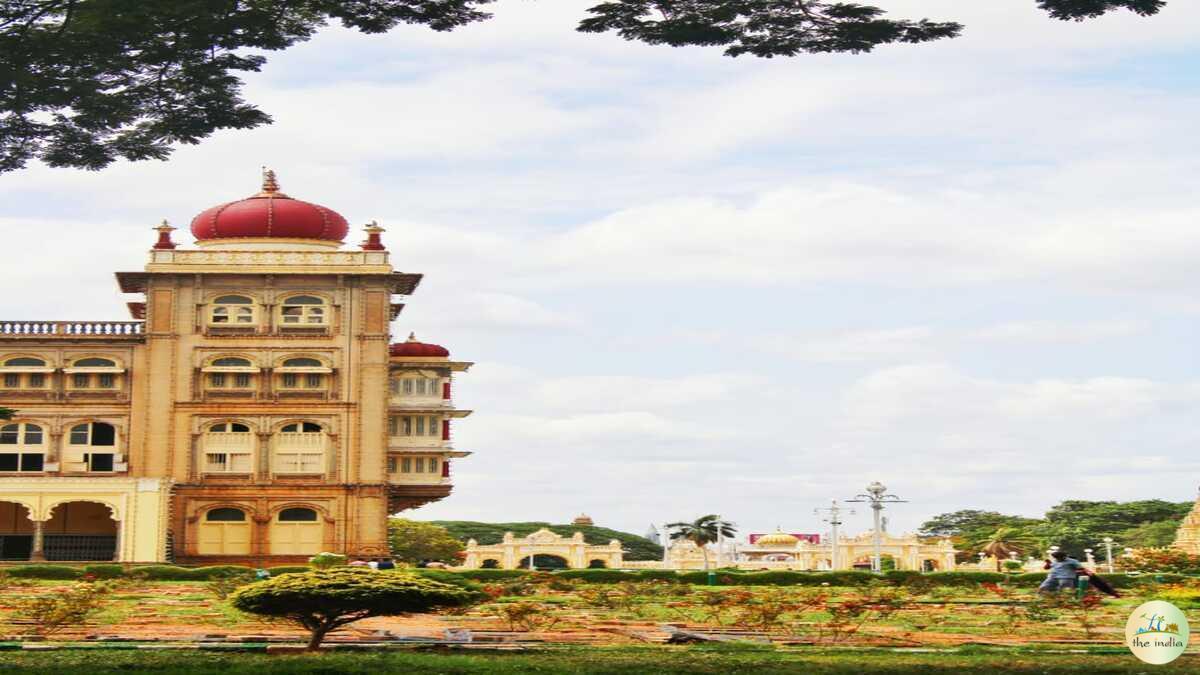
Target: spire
[(164, 236), (412, 337), (270, 187)]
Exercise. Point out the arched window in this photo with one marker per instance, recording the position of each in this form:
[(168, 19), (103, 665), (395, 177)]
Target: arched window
[(22, 447), (91, 447), (228, 448), (226, 515), (300, 311), (94, 373), (224, 531), (230, 373), (302, 373), (24, 372), (297, 515), (296, 531), (300, 448), (232, 310)]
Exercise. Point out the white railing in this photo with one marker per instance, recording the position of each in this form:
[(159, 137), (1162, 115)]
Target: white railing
[(71, 328), (299, 440), (226, 442)]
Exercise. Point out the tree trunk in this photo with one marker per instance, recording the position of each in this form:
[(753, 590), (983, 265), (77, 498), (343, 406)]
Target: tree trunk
[(704, 550), (318, 634)]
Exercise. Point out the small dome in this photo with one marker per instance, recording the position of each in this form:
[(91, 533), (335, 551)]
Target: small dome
[(777, 538), (413, 347), (270, 214)]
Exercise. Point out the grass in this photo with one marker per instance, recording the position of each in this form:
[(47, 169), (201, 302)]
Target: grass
[(631, 660)]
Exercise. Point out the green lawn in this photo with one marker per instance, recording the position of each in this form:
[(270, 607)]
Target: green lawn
[(690, 660)]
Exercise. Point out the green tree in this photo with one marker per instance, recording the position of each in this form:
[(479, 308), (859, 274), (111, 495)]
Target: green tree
[(323, 600), (413, 542), (86, 82), (1149, 535), (7, 413), (1003, 541), (702, 531)]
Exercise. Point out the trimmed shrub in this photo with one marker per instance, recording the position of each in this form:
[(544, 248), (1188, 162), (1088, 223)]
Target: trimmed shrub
[(44, 572), (104, 571), (165, 573), (492, 575), (965, 578), (322, 561), (323, 600), (655, 575), (596, 576), (288, 569), (217, 571), (452, 578)]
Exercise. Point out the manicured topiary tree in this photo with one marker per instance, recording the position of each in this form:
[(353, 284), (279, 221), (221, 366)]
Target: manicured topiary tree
[(323, 600)]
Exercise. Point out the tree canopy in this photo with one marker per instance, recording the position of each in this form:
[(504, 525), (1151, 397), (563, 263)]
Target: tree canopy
[(323, 600), (1073, 525), (84, 83), (413, 542)]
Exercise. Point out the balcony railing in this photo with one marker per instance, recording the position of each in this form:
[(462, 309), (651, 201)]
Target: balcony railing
[(71, 328)]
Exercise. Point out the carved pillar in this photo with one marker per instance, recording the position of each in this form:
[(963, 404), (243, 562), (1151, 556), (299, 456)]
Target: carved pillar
[(37, 555), (263, 457), (117, 555)]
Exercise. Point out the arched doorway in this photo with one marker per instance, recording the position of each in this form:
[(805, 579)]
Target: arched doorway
[(80, 531), (929, 565), (296, 531), (16, 532), (490, 564), (224, 531), (545, 561), (597, 564)]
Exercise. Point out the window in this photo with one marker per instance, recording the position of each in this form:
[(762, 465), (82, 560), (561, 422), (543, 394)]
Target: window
[(300, 448), (232, 310), (302, 363), (232, 362), (230, 373), (302, 311), (297, 516), (414, 425), (23, 378), (91, 435), (406, 465), (408, 387), (21, 447), (241, 380), (226, 515), (291, 380), (391, 465), (216, 380), (228, 448), (418, 464), (314, 381), (80, 380), (419, 386), (302, 372), (94, 433), (95, 363)]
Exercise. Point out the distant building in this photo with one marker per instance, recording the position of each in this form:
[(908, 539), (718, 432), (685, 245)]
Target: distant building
[(583, 519), (653, 535)]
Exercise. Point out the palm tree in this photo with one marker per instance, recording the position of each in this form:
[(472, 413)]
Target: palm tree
[(702, 532), (1003, 541)]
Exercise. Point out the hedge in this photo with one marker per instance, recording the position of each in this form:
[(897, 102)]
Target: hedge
[(43, 572), (109, 571), (288, 569), (597, 576), (492, 575)]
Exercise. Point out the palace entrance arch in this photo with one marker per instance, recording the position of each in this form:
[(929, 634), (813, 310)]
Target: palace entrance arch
[(16, 531), (80, 531)]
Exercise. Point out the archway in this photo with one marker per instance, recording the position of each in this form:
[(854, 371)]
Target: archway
[(16, 532), (490, 564), (224, 531), (545, 561), (597, 564), (297, 531), (928, 565), (80, 531)]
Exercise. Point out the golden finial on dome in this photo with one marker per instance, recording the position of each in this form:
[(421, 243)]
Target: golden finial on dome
[(270, 186)]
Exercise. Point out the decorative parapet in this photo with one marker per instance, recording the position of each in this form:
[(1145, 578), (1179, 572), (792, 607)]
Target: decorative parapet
[(71, 329), (174, 260)]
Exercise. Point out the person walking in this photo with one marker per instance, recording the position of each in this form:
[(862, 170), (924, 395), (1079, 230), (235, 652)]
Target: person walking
[(1063, 572)]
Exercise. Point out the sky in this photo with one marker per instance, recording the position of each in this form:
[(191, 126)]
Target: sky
[(693, 284)]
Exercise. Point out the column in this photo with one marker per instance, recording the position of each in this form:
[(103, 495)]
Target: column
[(37, 555), (118, 555)]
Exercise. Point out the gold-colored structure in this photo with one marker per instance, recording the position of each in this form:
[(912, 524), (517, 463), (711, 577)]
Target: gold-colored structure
[(514, 553), (254, 410), (1187, 537)]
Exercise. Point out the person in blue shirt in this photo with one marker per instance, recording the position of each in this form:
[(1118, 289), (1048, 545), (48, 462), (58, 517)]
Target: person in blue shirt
[(1063, 571)]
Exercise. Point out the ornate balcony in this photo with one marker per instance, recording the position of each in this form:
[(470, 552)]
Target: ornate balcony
[(71, 329)]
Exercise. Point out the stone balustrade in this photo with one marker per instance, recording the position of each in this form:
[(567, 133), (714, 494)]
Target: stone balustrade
[(70, 329)]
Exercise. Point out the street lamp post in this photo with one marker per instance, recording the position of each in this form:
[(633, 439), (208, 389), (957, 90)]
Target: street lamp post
[(834, 521), (1108, 544), (876, 496)]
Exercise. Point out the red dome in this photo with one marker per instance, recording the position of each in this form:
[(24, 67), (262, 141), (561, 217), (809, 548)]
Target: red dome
[(269, 214), (414, 348)]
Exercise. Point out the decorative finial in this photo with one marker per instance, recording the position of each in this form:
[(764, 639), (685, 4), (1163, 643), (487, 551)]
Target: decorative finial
[(373, 242), (412, 337), (164, 236), (270, 187)]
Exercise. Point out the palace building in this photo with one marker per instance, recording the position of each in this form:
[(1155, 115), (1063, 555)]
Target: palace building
[(253, 411)]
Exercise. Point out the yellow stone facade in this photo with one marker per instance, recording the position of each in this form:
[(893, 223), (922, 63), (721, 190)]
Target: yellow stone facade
[(1187, 537), (514, 553), (252, 413)]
